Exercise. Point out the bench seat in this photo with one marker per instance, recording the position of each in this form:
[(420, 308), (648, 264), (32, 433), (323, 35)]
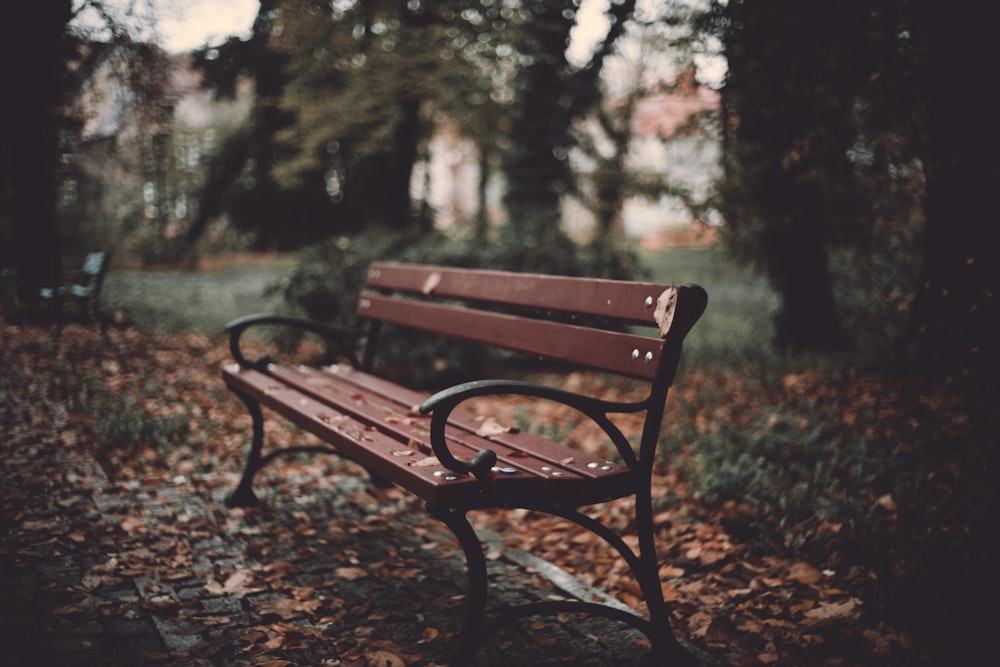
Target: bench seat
[(379, 425)]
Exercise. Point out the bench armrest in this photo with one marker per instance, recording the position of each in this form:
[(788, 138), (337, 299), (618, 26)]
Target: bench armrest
[(441, 404), (341, 341)]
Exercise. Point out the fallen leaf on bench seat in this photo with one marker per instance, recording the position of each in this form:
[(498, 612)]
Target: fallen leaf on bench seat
[(663, 315), (491, 427), (426, 462), (432, 281)]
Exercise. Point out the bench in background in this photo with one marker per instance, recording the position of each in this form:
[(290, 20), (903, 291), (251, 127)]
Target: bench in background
[(80, 288)]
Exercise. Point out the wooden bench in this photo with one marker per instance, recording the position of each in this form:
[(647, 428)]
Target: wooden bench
[(436, 448), (81, 288)]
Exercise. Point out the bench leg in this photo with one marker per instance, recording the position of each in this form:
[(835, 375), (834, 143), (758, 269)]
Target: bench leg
[(243, 495), (666, 649), (471, 637)]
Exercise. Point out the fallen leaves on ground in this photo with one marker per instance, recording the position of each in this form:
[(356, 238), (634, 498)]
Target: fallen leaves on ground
[(165, 427)]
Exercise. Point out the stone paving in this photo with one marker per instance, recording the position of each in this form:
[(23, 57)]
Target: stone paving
[(325, 572)]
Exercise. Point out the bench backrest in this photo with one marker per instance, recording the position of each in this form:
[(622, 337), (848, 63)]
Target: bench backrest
[(589, 332), (94, 265)]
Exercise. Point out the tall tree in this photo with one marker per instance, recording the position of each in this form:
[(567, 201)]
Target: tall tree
[(38, 119), (657, 57), (788, 101), (363, 76), (861, 127), (35, 33), (954, 328), (240, 176), (551, 95)]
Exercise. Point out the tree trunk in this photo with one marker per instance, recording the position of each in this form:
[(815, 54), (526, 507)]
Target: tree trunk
[(482, 194), (32, 35), (535, 167), (954, 326), (807, 319)]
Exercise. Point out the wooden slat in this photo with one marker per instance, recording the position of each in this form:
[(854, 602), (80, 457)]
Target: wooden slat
[(595, 348), (380, 403), (546, 451), (355, 440), (629, 301), (376, 432)]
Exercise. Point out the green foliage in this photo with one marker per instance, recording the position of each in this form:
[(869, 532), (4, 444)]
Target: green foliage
[(551, 95), (845, 470), (905, 491), (367, 82), (798, 470), (548, 429), (874, 292), (737, 325)]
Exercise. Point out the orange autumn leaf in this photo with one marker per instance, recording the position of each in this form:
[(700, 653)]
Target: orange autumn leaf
[(385, 659), (830, 612), (804, 574), (350, 573)]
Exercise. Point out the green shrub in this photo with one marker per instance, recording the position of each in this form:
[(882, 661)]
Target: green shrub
[(894, 479), (801, 472)]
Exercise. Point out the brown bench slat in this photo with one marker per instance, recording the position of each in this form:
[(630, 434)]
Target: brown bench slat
[(335, 411), (629, 301), (617, 352), (362, 444), (514, 448), (379, 448)]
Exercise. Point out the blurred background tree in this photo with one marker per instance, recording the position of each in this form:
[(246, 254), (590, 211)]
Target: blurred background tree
[(855, 158), (52, 54), (364, 86), (365, 80), (240, 181), (821, 162), (852, 154), (552, 95), (31, 32)]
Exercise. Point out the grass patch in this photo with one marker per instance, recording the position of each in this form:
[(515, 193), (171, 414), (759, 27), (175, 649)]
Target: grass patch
[(201, 301), (737, 326)]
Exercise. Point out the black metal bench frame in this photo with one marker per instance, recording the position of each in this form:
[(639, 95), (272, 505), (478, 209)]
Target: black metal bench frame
[(369, 420)]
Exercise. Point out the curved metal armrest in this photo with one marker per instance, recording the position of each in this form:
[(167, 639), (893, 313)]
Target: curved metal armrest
[(441, 404), (342, 341)]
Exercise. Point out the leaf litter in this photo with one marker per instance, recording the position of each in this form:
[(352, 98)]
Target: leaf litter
[(743, 606)]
